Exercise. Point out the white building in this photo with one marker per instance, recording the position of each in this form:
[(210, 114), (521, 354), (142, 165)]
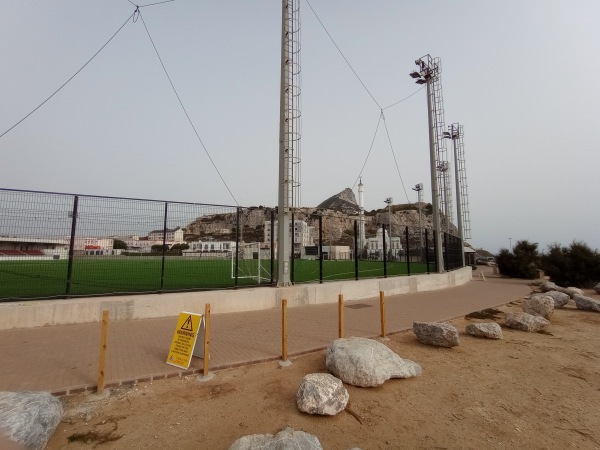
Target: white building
[(375, 245), (211, 246), (174, 235), (303, 235), (93, 243)]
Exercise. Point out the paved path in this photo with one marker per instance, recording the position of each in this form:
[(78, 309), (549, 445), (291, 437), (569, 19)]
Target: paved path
[(63, 359)]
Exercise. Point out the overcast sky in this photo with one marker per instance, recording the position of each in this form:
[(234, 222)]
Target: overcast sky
[(521, 76)]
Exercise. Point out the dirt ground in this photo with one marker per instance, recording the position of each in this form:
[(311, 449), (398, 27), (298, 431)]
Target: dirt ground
[(529, 390)]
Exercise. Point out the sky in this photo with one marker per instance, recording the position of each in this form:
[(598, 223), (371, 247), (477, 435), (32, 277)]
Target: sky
[(521, 76)]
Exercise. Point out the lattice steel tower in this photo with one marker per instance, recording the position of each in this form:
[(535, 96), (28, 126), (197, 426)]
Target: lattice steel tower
[(430, 73), (456, 133), (289, 135)]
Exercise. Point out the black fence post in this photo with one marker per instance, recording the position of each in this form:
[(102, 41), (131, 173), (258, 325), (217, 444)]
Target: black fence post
[(356, 250), (164, 250), (407, 253), (445, 248), (272, 242), (384, 252), (320, 247), (427, 249), (238, 223), (72, 245), (293, 231)]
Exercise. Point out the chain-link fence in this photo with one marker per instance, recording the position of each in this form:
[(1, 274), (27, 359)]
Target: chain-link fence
[(56, 245)]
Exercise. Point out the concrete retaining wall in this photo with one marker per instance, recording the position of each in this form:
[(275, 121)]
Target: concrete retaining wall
[(80, 310)]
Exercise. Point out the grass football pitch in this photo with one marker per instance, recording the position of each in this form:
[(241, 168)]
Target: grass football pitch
[(123, 275)]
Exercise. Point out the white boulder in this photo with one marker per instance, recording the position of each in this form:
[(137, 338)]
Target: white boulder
[(586, 303), (438, 334), (367, 363), (560, 298), (539, 305), (321, 393), (286, 439), (526, 322), (489, 330), (29, 418)]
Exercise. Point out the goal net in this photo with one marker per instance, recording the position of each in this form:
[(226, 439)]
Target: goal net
[(252, 262)]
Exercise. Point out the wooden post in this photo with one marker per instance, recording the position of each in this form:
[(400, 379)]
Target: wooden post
[(382, 310), (341, 315), (284, 329), (206, 337), (102, 358)]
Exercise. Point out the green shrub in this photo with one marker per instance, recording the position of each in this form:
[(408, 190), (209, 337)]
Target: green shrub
[(522, 262), (577, 265)]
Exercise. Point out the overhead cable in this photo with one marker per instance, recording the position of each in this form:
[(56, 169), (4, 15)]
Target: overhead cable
[(394, 155), (345, 59), (186, 113), (370, 148), (405, 98), (73, 76)]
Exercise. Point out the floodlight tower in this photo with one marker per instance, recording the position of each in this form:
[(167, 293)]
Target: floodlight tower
[(462, 198), (429, 73), (388, 201), (443, 168), (419, 189), (289, 134)]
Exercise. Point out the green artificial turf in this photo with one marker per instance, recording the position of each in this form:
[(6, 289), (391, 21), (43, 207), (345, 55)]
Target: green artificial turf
[(125, 274)]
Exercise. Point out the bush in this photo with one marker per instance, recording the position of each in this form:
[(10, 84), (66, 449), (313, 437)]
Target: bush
[(522, 262), (577, 265)]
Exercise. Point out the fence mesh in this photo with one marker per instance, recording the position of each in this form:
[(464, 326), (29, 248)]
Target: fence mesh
[(56, 245)]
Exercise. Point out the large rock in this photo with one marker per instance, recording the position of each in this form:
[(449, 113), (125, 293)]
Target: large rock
[(560, 298), (526, 322), (286, 439), (367, 363), (586, 303), (572, 291), (549, 286), (438, 334), (542, 306), (489, 330), (597, 288), (345, 202), (321, 393), (29, 418)]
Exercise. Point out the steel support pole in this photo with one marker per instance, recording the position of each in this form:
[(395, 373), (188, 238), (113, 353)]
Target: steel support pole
[(285, 150), (437, 232), (461, 234)]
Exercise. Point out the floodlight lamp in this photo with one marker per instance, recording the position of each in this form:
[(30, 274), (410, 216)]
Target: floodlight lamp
[(415, 74), (421, 81)]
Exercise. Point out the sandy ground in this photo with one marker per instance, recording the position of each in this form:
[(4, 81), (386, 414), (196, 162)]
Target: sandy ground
[(529, 390)]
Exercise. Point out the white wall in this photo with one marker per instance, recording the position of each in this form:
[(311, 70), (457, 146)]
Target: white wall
[(80, 310)]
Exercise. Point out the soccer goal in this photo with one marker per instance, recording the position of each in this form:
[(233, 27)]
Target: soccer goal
[(252, 262)]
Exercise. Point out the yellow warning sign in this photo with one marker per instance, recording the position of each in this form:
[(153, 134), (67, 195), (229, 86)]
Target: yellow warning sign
[(184, 340)]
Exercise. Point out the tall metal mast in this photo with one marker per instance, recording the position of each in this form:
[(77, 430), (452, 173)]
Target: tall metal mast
[(455, 132), (430, 73), (289, 135)]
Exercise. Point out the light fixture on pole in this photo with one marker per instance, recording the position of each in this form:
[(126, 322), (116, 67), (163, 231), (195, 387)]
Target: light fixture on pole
[(428, 73), (388, 201), (419, 189), (443, 167)]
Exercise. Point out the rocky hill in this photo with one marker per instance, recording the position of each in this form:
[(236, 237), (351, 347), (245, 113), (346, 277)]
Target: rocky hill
[(339, 212)]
